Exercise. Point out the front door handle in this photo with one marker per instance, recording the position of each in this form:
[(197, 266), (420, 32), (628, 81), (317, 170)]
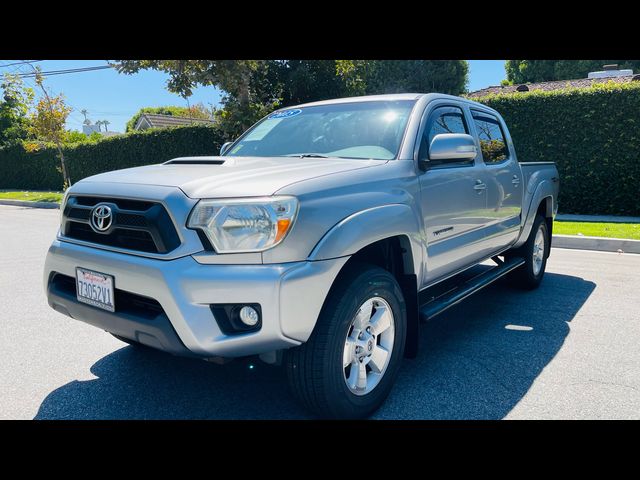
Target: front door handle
[(480, 186), (516, 180)]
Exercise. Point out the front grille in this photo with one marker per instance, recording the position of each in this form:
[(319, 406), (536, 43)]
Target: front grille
[(125, 302), (136, 225), (120, 238)]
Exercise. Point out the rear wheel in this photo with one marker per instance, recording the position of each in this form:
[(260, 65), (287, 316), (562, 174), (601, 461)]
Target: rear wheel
[(535, 252), (347, 367)]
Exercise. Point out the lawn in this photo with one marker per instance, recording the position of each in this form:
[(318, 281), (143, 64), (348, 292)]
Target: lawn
[(593, 229), (54, 197)]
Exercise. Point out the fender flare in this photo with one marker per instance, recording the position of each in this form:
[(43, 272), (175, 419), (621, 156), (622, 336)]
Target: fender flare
[(543, 192), (368, 226)]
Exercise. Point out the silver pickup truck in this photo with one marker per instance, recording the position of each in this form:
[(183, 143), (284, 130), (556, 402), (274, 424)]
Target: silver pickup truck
[(318, 240)]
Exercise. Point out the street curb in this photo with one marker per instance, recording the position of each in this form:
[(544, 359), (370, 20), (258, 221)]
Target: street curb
[(24, 203), (602, 244)]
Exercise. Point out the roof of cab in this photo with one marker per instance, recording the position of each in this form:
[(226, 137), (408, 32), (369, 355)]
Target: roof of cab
[(367, 98), (389, 97)]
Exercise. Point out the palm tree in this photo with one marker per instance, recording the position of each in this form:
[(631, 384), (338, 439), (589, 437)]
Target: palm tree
[(106, 124), (99, 124), (86, 120)]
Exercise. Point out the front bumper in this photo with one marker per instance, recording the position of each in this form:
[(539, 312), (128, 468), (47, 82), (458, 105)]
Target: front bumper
[(290, 294)]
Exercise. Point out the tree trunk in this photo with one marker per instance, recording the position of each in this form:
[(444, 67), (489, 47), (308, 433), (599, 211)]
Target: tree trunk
[(243, 93), (243, 98), (65, 174)]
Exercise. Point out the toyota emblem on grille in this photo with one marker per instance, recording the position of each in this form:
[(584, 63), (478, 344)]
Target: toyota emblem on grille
[(101, 217)]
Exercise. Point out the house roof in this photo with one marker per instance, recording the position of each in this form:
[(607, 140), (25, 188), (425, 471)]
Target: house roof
[(156, 120), (548, 86)]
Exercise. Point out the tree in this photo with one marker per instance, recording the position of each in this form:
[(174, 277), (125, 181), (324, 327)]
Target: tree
[(533, 71), (48, 121), (85, 112), (106, 125), (231, 76), (254, 88), (14, 108), (300, 81), (99, 125), (370, 77), (74, 136)]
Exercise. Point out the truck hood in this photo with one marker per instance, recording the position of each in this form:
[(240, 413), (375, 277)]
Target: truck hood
[(217, 177)]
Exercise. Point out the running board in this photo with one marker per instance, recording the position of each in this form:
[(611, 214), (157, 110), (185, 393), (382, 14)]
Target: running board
[(464, 290)]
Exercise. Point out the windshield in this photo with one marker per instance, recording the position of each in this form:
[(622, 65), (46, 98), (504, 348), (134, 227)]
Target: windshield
[(349, 130)]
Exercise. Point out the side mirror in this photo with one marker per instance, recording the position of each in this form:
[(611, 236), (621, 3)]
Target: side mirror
[(225, 146), (452, 147)]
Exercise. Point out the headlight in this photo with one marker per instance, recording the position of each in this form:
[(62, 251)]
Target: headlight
[(244, 224)]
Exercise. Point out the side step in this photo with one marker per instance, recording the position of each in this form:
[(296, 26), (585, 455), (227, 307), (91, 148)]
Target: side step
[(450, 298)]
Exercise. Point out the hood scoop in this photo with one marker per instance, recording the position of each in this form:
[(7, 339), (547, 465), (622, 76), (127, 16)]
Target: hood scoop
[(195, 161)]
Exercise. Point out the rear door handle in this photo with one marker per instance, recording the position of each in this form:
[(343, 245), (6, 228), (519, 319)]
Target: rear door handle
[(516, 180), (479, 186)]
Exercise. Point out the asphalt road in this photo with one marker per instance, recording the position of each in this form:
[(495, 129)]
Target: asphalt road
[(568, 350)]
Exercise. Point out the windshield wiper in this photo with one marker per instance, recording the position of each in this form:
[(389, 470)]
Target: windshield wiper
[(307, 155)]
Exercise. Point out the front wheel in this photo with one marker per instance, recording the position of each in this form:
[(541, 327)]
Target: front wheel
[(347, 367)]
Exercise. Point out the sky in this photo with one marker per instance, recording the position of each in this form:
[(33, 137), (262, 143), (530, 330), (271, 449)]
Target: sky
[(112, 96)]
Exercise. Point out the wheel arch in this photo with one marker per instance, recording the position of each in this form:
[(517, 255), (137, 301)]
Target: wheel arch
[(541, 202), (366, 227)]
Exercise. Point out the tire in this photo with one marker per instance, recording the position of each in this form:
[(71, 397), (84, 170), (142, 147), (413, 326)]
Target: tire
[(529, 275), (316, 370)]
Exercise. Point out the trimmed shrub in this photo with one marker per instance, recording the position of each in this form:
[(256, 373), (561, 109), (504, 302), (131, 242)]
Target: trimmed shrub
[(40, 170), (593, 135)]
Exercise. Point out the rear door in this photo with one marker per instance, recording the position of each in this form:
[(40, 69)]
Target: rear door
[(453, 198), (504, 185)]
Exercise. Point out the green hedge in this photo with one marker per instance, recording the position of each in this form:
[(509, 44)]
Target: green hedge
[(592, 134), (39, 170)]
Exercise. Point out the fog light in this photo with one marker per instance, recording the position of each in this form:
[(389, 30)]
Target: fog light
[(249, 316)]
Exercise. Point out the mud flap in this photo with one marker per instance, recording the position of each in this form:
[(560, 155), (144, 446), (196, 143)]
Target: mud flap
[(409, 285)]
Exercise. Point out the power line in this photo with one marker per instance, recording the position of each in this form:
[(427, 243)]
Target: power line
[(65, 72), (22, 62), (73, 116)]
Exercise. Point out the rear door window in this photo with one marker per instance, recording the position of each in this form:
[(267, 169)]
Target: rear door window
[(492, 138)]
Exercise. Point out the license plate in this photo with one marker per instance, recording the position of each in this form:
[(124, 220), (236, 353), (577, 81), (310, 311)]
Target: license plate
[(95, 289)]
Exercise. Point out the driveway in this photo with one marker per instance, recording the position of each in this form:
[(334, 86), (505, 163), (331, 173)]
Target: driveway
[(566, 350)]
